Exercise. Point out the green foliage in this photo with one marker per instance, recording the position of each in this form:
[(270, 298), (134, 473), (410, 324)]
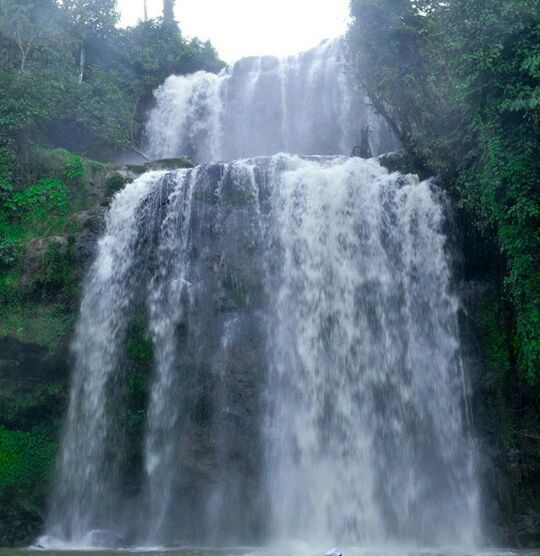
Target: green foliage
[(39, 410), (74, 167), (26, 463), (7, 160), (502, 189), (90, 17), (493, 330), (115, 183), (459, 82), (32, 323), (20, 24), (7, 253), (48, 196), (105, 110), (154, 51), (61, 165), (25, 107), (37, 268), (41, 209), (57, 274)]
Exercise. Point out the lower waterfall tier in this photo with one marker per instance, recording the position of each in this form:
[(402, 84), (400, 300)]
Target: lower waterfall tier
[(306, 379)]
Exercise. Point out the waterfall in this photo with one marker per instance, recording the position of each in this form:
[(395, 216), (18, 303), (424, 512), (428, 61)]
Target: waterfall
[(304, 104), (365, 433), (165, 294), (306, 379), (89, 461)]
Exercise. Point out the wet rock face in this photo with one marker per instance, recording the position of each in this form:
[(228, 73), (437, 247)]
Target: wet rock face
[(221, 359), (18, 528), (103, 538), (217, 360), (506, 422), (91, 225)]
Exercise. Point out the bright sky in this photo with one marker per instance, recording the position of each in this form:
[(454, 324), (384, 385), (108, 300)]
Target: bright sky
[(240, 28)]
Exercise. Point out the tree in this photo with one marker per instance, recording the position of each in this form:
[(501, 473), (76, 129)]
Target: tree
[(102, 111), (17, 22), (168, 11), (89, 19), (392, 57)]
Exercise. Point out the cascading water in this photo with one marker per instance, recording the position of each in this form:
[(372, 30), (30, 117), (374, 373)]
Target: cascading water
[(165, 313), (304, 104), (89, 462), (365, 433), (307, 380)]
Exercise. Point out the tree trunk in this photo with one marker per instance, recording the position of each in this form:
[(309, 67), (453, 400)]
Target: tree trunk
[(132, 127), (24, 54), (145, 10), (82, 63), (168, 11), (25, 49)]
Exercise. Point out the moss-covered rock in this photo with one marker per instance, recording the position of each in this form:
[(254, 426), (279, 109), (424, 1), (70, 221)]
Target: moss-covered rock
[(44, 325), (116, 183), (33, 397)]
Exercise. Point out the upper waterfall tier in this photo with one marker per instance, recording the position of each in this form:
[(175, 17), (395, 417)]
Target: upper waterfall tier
[(303, 104)]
